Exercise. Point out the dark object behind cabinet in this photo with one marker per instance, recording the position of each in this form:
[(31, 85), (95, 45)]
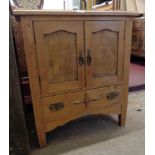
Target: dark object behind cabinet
[(138, 37), (18, 137)]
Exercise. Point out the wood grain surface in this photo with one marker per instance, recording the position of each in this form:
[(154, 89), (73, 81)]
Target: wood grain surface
[(53, 45)]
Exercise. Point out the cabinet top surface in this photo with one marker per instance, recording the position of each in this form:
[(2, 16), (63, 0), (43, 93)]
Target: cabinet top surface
[(76, 12)]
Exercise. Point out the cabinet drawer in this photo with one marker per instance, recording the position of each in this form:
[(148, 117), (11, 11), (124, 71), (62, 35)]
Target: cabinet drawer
[(79, 103), (107, 98), (63, 106)]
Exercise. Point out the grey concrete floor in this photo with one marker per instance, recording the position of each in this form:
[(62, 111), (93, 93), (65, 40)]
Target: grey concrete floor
[(100, 135)]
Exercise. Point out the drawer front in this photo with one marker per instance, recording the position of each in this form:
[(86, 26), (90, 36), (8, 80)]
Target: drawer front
[(63, 106), (103, 98)]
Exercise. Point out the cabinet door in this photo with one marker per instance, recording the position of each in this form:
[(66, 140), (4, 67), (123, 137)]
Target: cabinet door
[(59, 45), (104, 52)]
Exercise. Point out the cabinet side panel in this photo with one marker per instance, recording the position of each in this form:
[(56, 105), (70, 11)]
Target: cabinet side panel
[(127, 53), (29, 46)]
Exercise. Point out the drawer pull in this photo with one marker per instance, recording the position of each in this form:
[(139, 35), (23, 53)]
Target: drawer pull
[(56, 106), (112, 95)]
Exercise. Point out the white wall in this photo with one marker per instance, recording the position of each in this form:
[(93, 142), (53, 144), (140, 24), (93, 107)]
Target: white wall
[(57, 4)]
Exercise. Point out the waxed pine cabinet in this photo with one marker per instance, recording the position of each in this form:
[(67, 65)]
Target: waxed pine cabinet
[(78, 64)]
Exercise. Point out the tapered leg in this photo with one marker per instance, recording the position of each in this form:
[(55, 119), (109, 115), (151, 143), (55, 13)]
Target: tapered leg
[(42, 139), (122, 119)]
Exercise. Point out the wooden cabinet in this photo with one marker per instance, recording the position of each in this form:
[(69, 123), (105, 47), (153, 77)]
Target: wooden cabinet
[(78, 64)]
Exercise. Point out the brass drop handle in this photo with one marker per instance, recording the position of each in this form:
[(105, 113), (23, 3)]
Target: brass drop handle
[(81, 59), (112, 95), (56, 106), (89, 59)]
